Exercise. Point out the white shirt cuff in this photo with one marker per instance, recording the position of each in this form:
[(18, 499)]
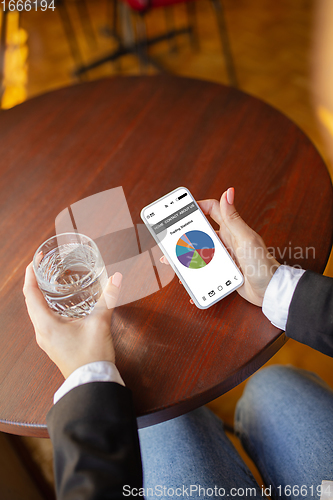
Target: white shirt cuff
[(99, 371), (279, 293)]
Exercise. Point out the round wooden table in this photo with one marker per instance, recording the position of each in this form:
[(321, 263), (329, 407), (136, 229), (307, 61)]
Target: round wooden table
[(151, 135)]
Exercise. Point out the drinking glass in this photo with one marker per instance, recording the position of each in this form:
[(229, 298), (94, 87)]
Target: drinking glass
[(70, 273)]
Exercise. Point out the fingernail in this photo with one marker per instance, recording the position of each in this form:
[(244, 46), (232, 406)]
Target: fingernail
[(116, 279), (230, 196), (162, 259)]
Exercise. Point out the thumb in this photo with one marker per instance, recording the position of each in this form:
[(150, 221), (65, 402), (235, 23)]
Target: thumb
[(108, 300), (231, 218)]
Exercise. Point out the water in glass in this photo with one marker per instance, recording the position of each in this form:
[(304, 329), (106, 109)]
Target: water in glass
[(71, 278)]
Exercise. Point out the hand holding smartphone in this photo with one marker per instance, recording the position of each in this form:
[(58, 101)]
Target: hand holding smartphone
[(192, 247)]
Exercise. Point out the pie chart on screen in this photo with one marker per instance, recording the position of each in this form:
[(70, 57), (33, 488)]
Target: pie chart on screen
[(195, 249)]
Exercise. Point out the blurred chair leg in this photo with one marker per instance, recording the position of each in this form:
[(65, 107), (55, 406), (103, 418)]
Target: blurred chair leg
[(192, 22), (3, 40), (170, 25), (87, 26), (142, 46), (126, 22), (218, 7), (113, 15), (70, 34), (114, 23)]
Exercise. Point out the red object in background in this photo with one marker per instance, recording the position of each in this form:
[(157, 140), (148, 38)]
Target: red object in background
[(143, 5)]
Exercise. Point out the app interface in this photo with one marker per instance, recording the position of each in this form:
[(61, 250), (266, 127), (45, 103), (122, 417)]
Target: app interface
[(193, 246)]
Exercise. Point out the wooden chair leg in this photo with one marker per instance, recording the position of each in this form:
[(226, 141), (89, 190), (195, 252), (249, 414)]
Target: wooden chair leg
[(111, 29), (3, 39), (70, 33), (192, 22), (219, 11), (170, 26), (86, 23), (142, 46), (113, 18)]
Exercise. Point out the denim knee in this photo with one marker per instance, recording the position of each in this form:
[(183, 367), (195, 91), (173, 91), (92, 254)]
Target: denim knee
[(272, 392), (284, 421)]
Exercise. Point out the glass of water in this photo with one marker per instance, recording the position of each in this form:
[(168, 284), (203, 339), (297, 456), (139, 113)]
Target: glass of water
[(70, 273)]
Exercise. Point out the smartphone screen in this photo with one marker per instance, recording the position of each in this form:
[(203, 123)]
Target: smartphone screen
[(192, 247)]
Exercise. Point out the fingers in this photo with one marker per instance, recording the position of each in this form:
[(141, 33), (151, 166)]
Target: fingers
[(211, 208), (36, 304), (231, 195), (108, 300), (231, 218), (112, 290), (30, 281), (164, 260)]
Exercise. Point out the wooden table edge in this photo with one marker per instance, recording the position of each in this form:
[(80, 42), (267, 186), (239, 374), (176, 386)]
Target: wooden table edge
[(226, 385)]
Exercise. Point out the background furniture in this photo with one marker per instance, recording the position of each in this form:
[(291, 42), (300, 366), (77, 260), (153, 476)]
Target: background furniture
[(149, 135), (128, 30), (132, 37)]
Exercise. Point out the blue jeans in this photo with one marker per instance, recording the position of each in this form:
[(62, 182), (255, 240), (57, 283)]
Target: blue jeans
[(285, 422)]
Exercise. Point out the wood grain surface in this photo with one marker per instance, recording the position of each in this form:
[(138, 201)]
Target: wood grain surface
[(150, 135)]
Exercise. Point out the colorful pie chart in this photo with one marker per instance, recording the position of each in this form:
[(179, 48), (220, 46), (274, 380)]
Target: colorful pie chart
[(195, 249)]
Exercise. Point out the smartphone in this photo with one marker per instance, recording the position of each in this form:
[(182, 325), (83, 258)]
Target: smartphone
[(192, 247)]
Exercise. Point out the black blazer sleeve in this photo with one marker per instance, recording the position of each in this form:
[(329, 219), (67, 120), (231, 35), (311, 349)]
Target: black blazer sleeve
[(95, 442), (310, 317)]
